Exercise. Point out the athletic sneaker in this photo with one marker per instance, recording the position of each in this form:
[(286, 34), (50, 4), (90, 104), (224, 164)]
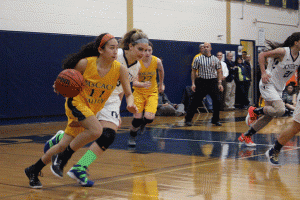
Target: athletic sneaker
[(131, 141), (57, 167), (251, 116), (272, 156), (34, 181), (247, 140), (53, 141), (80, 176)]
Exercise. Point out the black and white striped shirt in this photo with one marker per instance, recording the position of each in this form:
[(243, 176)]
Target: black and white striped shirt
[(207, 66)]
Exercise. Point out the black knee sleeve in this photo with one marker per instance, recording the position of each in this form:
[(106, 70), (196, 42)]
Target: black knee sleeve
[(137, 122), (106, 139), (147, 121)]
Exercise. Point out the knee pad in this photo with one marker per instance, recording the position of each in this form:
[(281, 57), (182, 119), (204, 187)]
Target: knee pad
[(106, 139), (148, 121), (137, 122)]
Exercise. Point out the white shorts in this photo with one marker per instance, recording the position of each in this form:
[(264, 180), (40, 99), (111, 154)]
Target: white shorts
[(296, 115), (111, 110), (269, 92)]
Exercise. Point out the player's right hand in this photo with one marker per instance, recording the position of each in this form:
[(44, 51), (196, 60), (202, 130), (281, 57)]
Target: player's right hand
[(147, 84)]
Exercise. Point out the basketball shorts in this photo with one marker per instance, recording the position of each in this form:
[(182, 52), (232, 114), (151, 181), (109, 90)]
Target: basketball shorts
[(296, 115), (111, 110), (76, 111), (269, 92), (146, 102)]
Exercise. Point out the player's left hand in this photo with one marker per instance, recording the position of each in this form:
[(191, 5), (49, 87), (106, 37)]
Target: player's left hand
[(120, 123), (132, 108)]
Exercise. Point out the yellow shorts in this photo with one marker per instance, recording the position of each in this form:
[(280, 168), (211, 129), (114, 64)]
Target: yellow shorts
[(76, 111), (146, 102)]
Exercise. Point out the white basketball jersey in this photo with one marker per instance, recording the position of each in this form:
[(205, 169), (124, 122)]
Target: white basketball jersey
[(132, 70), (282, 71)]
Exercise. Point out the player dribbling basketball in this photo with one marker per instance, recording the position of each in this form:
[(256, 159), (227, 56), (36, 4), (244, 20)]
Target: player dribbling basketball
[(101, 72)]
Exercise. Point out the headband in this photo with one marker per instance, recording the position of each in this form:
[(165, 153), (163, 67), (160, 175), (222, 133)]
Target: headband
[(105, 38), (142, 40)]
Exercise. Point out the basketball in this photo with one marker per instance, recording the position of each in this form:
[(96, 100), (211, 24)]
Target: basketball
[(69, 83)]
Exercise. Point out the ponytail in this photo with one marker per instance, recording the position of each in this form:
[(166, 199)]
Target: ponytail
[(289, 42), (131, 37), (88, 50)]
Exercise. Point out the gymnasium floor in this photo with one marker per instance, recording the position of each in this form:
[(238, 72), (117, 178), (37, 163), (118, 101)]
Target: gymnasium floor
[(171, 161)]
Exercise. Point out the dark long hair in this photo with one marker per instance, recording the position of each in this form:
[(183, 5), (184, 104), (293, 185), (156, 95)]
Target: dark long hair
[(289, 42), (238, 58), (88, 50)]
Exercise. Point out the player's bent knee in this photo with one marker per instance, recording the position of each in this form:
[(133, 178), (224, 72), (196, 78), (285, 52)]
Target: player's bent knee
[(148, 121), (96, 132), (137, 122), (280, 112), (106, 139)]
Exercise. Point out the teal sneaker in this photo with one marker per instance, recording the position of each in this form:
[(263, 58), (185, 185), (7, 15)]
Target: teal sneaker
[(54, 140), (80, 176)]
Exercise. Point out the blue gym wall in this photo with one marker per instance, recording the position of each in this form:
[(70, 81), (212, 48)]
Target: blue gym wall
[(30, 63)]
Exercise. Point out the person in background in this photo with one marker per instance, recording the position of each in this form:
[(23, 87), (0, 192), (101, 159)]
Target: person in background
[(225, 74), (166, 108), (244, 55), (289, 97), (230, 82), (242, 83), (248, 71), (208, 81), (201, 49)]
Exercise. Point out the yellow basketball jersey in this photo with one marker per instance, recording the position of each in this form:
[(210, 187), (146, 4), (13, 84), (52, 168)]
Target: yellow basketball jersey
[(148, 74), (97, 89), (199, 54)]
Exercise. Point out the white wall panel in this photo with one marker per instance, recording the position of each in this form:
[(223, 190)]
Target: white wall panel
[(198, 20), (84, 17)]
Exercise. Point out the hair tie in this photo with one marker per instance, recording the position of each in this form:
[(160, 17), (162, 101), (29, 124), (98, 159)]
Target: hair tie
[(105, 38)]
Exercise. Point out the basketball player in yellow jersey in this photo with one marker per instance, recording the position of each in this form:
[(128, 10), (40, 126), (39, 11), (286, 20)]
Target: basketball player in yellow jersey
[(101, 74), (146, 93), (201, 49)]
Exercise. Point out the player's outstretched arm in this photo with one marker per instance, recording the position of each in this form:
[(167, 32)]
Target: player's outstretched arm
[(127, 90)]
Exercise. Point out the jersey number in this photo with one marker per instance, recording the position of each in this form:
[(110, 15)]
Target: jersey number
[(287, 73), (92, 93), (114, 113), (146, 78), (118, 83)]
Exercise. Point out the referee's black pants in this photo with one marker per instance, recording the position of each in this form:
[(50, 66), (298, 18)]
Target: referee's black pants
[(204, 87)]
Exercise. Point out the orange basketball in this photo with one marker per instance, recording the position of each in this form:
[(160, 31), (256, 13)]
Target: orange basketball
[(69, 83)]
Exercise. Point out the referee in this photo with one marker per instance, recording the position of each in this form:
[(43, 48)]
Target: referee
[(208, 81)]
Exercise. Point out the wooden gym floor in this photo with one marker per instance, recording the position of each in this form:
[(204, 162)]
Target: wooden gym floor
[(171, 161)]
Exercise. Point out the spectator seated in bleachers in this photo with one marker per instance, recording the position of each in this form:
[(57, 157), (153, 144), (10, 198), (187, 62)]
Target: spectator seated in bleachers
[(289, 98), (166, 108)]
